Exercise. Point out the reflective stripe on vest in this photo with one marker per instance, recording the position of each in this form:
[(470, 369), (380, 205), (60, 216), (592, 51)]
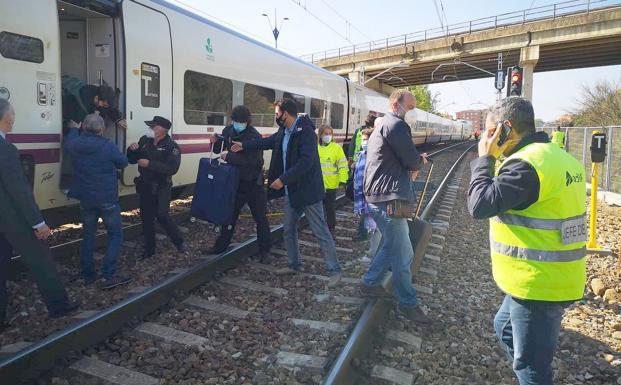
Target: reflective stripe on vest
[(538, 255), (530, 257)]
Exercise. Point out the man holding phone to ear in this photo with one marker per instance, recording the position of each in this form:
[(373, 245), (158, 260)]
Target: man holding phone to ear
[(536, 202)]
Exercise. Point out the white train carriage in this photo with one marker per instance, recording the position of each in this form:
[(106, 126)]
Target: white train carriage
[(163, 60)]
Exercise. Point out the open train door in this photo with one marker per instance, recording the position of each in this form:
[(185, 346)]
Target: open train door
[(148, 71)]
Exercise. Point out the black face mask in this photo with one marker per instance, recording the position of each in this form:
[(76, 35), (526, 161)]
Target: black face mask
[(280, 120)]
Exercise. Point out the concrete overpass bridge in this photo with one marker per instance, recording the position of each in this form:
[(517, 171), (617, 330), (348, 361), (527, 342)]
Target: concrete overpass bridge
[(567, 35)]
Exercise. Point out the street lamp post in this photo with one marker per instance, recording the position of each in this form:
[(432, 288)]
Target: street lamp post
[(275, 29)]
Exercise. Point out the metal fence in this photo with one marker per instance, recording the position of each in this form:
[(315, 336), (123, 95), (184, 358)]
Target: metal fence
[(578, 141), (551, 11)]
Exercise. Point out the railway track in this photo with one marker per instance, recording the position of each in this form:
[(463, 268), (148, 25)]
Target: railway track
[(291, 328)]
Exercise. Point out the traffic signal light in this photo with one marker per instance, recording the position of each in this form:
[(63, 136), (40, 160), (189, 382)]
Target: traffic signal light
[(515, 81)]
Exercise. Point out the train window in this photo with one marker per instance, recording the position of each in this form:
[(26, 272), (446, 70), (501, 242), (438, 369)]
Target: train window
[(260, 101), (149, 85), (318, 111), (207, 99), (299, 100), (21, 47), (336, 115)]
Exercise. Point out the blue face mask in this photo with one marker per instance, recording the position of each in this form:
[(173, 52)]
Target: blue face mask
[(239, 127)]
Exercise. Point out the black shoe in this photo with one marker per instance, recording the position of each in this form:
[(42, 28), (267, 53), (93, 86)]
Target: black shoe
[(147, 255), (265, 258), (114, 282), (89, 280), (414, 314), (374, 291), (213, 251), (182, 248), (70, 307), (4, 325), (360, 238)]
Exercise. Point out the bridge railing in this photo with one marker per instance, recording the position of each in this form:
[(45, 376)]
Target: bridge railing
[(578, 141), (544, 12)]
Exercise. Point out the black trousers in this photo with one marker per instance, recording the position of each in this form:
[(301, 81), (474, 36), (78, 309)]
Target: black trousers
[(155, 203), (254, 195), (37, 257), (329, 206)]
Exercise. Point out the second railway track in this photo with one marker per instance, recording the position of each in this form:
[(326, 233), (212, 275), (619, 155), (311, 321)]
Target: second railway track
[(224, 321)]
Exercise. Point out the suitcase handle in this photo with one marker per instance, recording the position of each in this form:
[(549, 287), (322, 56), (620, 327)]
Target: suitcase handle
[(422, 194), (218, 137)]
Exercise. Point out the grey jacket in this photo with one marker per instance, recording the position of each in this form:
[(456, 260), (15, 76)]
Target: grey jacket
[(391, 156)]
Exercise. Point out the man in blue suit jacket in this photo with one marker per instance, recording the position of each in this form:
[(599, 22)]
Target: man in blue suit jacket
[(295, 173)]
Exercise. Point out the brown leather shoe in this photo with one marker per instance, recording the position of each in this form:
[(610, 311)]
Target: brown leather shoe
[(414, 314)]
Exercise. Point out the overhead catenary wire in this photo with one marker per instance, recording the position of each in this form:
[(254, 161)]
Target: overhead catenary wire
[(346, 20), (228, 24), (303, 6)]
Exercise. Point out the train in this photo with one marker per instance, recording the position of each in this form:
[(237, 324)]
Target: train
[(163, 60)]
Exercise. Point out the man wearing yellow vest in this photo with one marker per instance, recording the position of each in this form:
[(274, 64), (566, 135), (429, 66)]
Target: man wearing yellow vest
[(558, 137), (535, 200)]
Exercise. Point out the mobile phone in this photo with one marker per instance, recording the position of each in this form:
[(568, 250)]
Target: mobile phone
[(504, 133)]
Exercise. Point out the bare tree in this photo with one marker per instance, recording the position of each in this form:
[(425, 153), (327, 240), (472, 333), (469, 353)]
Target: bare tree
[(600, 105)]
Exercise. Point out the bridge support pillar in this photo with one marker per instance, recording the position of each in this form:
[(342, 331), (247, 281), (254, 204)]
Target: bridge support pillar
[(529, 56), (354, 77)]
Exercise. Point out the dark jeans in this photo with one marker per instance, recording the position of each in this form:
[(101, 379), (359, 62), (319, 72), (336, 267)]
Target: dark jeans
[(155, 203), (37, 257), (329, 206), (528, 331), (110, 213), (254, 195)]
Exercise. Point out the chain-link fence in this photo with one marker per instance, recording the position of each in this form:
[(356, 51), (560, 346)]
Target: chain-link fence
[(578, 143)]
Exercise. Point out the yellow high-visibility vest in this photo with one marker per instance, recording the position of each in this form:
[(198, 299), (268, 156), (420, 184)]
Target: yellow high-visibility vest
[(558, 137), (539, 253), (333, 165)]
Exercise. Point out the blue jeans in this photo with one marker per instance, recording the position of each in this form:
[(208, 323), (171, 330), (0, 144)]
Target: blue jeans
[(395, 251), (111, 215), (319, 227), (528, 331)]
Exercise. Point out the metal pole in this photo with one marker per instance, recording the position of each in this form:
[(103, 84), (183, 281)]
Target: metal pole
[(584, 146), (554, 12), (608, 159), (589, 6)]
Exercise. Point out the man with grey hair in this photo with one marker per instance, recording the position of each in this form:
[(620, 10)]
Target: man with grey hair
[(23, 229), (391, 159), (536, 203), (97, 162)]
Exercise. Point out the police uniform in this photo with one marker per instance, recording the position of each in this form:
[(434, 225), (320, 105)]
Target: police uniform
[(154, 185)]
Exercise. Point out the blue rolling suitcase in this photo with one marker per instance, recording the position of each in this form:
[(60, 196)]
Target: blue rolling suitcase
[(215, 189)]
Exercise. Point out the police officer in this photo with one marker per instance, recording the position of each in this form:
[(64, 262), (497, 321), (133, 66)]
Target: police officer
[(537, 233), (158, 159)]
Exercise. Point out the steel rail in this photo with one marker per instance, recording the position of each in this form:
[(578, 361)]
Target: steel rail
[(376, 309)]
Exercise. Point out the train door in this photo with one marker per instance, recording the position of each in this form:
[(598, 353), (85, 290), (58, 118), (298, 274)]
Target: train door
[(88, 60), (30, 80), (148, 71)]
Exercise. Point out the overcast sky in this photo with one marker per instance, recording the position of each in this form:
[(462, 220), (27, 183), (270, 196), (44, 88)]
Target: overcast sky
[(358, 21)]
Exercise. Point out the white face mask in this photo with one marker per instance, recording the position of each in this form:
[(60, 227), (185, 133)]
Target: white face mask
[(410, 117), (149, 133), (326, 139)]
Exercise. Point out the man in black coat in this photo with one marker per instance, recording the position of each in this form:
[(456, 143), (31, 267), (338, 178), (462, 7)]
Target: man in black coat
[(23, 229), (158, 159), (295, 173), (250, 189)]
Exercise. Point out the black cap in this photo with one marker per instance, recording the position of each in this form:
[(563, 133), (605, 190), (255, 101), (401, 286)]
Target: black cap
[(159, 121)]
